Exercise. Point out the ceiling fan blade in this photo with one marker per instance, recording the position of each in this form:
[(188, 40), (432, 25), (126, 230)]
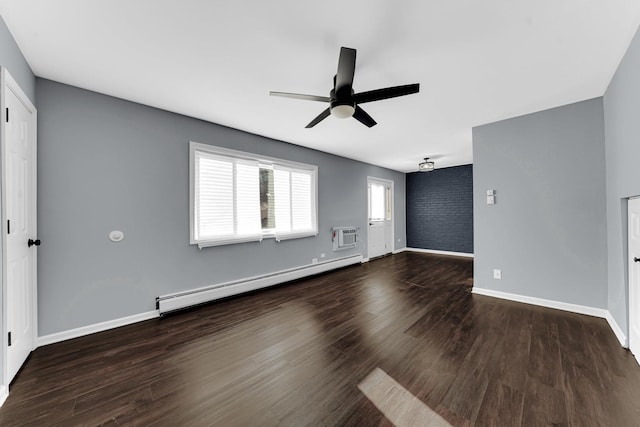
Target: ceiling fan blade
[(301, 96), (320, 118), (362, 116), (386, 93), (346, 69)]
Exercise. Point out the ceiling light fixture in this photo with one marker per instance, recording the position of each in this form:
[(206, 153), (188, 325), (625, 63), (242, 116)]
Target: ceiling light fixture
[(426, 166), (343, 111)]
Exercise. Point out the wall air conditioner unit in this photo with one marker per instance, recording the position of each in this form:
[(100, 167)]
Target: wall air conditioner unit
[(344, 238)]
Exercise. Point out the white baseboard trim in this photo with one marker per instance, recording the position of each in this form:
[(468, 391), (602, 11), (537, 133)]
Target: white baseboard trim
[(573, 308), (364, 260), (565, 306), (616, 330), (397, 251), (97, 327), (3, 394), (123, 321), (433, 251)]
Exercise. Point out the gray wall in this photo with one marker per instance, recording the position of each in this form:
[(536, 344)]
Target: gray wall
[(12, 59), (107, 164), (622, 133), (440, 209), (547, 231)]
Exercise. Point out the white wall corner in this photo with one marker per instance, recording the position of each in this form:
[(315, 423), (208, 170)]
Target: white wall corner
[(3, 394), (616, 330), (97, 327)]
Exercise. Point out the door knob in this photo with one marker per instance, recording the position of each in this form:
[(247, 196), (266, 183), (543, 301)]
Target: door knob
[(636, 259), (32, 242)]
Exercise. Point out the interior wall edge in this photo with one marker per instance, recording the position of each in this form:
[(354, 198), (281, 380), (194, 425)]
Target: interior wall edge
[(617, 330)]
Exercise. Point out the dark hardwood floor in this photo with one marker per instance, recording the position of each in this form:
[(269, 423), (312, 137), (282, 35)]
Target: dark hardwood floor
[(294, 356)]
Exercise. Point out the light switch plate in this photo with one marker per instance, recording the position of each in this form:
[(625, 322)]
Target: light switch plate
[(491, 200)]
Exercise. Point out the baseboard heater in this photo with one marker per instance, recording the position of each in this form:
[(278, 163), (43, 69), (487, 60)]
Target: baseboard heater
[(181, 300)]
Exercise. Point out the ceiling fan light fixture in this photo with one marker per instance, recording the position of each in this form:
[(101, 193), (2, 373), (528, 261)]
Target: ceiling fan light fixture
[(426, 166), (343, 111), (343, 101)]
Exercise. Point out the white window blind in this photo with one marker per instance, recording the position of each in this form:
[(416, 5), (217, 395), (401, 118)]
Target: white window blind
[(295, 202), (247, 202), (227, 200), (225, 197)]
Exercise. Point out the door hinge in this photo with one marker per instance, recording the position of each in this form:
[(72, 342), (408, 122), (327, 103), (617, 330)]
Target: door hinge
[(7, 114), (9, 339)]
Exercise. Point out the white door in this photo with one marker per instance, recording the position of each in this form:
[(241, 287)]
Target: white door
[(634, 276), (19, 215), (380, 229)]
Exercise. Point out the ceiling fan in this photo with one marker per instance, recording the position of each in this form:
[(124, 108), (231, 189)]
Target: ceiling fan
[(343, 102)]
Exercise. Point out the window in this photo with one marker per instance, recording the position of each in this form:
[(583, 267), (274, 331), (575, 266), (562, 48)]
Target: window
[(241, 197), (379, 202)]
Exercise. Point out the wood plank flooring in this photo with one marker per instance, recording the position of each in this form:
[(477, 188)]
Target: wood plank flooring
[(294, 356)]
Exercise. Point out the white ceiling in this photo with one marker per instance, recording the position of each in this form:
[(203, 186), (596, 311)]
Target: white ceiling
[(476, 62)]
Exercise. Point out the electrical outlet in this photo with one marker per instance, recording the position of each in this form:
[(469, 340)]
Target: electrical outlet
[(322, 255), (314, 261), (497, 274)]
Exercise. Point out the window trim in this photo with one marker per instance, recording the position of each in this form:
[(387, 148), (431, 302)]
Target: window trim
[(262, 161)]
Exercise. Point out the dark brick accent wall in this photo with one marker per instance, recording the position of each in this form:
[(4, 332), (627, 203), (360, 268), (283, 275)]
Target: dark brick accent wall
[(440, 209)]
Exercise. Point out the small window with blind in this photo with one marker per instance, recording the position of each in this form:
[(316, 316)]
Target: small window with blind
[(240, 197)]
